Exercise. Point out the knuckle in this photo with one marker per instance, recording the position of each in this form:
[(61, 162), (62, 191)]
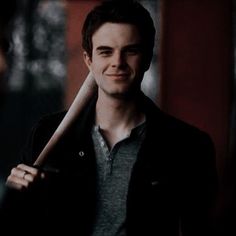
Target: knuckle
[(20, 165), (13, 170)]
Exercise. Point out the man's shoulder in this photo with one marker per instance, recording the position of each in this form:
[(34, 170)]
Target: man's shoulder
[(52, 119), (39, 135), (183, 127), (47, 124), (169, 123), (175, 127), (188, 135)]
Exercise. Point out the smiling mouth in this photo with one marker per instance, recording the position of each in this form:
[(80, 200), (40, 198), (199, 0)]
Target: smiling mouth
[(118, 76)]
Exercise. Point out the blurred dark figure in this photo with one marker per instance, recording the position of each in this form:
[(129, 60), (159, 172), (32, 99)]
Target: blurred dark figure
[(7, 14)]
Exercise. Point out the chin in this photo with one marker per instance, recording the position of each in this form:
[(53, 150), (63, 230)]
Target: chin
[(122, 94)]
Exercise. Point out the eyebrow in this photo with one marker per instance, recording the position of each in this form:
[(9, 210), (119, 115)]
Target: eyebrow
[(101, 48), (137, 45)]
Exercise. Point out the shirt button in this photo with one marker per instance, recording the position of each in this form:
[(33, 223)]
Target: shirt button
[(81, 153), (155, 183)]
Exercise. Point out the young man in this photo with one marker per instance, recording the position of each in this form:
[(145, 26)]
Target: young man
[(124, 167)]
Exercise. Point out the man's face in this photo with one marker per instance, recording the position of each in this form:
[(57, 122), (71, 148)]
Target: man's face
[(117, 62)]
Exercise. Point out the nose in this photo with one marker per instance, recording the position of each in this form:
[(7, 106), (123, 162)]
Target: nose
[(118, 60)]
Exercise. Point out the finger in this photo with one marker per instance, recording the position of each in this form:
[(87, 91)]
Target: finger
[(14, 181), (21, 176), (14, 185), (29, 177), (28, 169), (19, 173), (33, 171)]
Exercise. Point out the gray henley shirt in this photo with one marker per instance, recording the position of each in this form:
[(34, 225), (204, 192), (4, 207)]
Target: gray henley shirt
[(113, 174)]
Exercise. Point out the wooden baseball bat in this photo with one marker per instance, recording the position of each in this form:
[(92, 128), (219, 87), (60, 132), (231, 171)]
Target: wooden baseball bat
[(85, 93)]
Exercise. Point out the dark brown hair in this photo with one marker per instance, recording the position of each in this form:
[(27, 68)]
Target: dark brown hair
[(114, 11)]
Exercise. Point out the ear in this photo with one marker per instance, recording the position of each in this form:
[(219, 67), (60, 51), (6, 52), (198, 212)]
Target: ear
[(87, 60)]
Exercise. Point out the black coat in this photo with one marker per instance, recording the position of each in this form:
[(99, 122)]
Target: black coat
[(173, 180)]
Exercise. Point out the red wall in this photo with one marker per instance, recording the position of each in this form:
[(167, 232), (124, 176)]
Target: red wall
[(196, 74), (77, 71), (196, 66)]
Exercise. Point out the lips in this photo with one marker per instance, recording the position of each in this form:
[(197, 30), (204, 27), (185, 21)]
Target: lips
[(118, 76)]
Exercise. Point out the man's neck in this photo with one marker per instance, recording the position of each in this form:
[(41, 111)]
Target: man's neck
[(117, 117)]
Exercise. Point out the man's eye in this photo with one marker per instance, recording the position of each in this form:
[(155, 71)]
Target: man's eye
[(133, 51), (105, 53)]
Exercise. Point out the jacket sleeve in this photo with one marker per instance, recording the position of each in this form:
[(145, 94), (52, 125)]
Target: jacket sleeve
[(199, 189)]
